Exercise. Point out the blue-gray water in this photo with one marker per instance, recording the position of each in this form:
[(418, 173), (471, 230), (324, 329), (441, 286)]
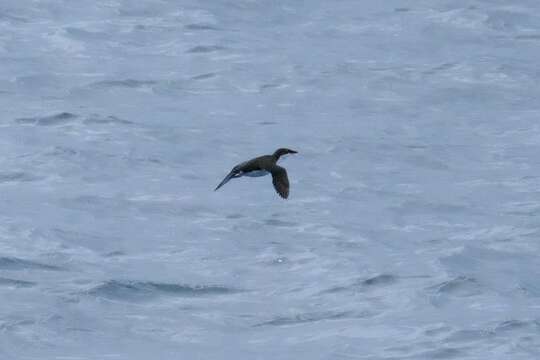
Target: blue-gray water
[(412, 229)]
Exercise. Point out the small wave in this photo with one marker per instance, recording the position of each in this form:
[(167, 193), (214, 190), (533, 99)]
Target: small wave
[(203, 76), (56, 119), (529, 286), (13, 263), (14, 324), (83, 34), (126, 83), (17, 176), (439, 69), (512, 325), (528, 37), (116, 253), (362, 285), (444, 353), (141, 290), (306, 318), (12, 18), (337, 289), (62, 151), (461, 286), (271, 86), (382, 279), (279, 260), (16, 283), (279, 223), (508, 20), (200, 49), (96, 119), (439, 330), (200, 27), (466, 336)]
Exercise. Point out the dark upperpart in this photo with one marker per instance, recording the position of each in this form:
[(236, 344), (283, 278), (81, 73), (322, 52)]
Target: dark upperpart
[(283, 151)]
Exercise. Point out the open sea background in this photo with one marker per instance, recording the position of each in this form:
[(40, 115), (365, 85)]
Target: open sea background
[(413, 226)]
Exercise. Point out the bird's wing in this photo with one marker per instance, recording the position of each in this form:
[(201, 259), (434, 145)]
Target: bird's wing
[(280, 181), (250, 165)]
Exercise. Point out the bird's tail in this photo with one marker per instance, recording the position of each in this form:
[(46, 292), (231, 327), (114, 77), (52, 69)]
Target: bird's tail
[(224, 181)]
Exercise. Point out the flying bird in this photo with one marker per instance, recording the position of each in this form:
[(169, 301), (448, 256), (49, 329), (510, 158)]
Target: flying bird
[(261, 166)]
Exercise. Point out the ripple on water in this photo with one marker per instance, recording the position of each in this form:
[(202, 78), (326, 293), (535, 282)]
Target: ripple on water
[(196, 26), (13, 263), (517, 325), (125, 83), (15, 324), (535, 37), (467, 336), (201, 49), (279, 223), (17, 176), (147, 290), (16, 283), (373, 282), (203, 76), (107, 120), (50, 120), (83, 34), (306, 318), (382, 279), (443, 353), (459, 287)]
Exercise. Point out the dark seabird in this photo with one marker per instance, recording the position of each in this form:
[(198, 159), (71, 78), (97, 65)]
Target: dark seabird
[(261, 166)]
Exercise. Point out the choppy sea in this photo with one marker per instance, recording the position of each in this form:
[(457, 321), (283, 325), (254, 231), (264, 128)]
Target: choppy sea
[(412, 230)]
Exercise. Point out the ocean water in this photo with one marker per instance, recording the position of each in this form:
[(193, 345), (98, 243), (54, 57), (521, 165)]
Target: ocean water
[(412, 230)]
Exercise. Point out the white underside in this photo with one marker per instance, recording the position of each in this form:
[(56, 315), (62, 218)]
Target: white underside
[(256, 173)]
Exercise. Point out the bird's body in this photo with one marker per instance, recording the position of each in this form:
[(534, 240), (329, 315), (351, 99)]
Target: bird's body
[(261, 166)]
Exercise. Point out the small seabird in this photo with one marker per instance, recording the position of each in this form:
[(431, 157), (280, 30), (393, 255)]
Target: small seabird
[(261, 166)]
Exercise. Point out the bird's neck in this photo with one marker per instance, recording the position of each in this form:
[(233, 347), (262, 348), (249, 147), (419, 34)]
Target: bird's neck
[(277, 155)]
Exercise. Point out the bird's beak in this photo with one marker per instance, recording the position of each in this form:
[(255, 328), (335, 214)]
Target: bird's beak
[(224, 181), (293, 152)]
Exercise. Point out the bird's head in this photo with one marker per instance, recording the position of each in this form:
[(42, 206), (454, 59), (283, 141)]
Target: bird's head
[(283, 151)]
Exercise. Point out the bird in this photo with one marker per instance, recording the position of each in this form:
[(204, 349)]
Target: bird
[(261, 166)]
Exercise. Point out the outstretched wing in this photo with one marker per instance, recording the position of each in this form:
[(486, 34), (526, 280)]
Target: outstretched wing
[(280, 181)]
